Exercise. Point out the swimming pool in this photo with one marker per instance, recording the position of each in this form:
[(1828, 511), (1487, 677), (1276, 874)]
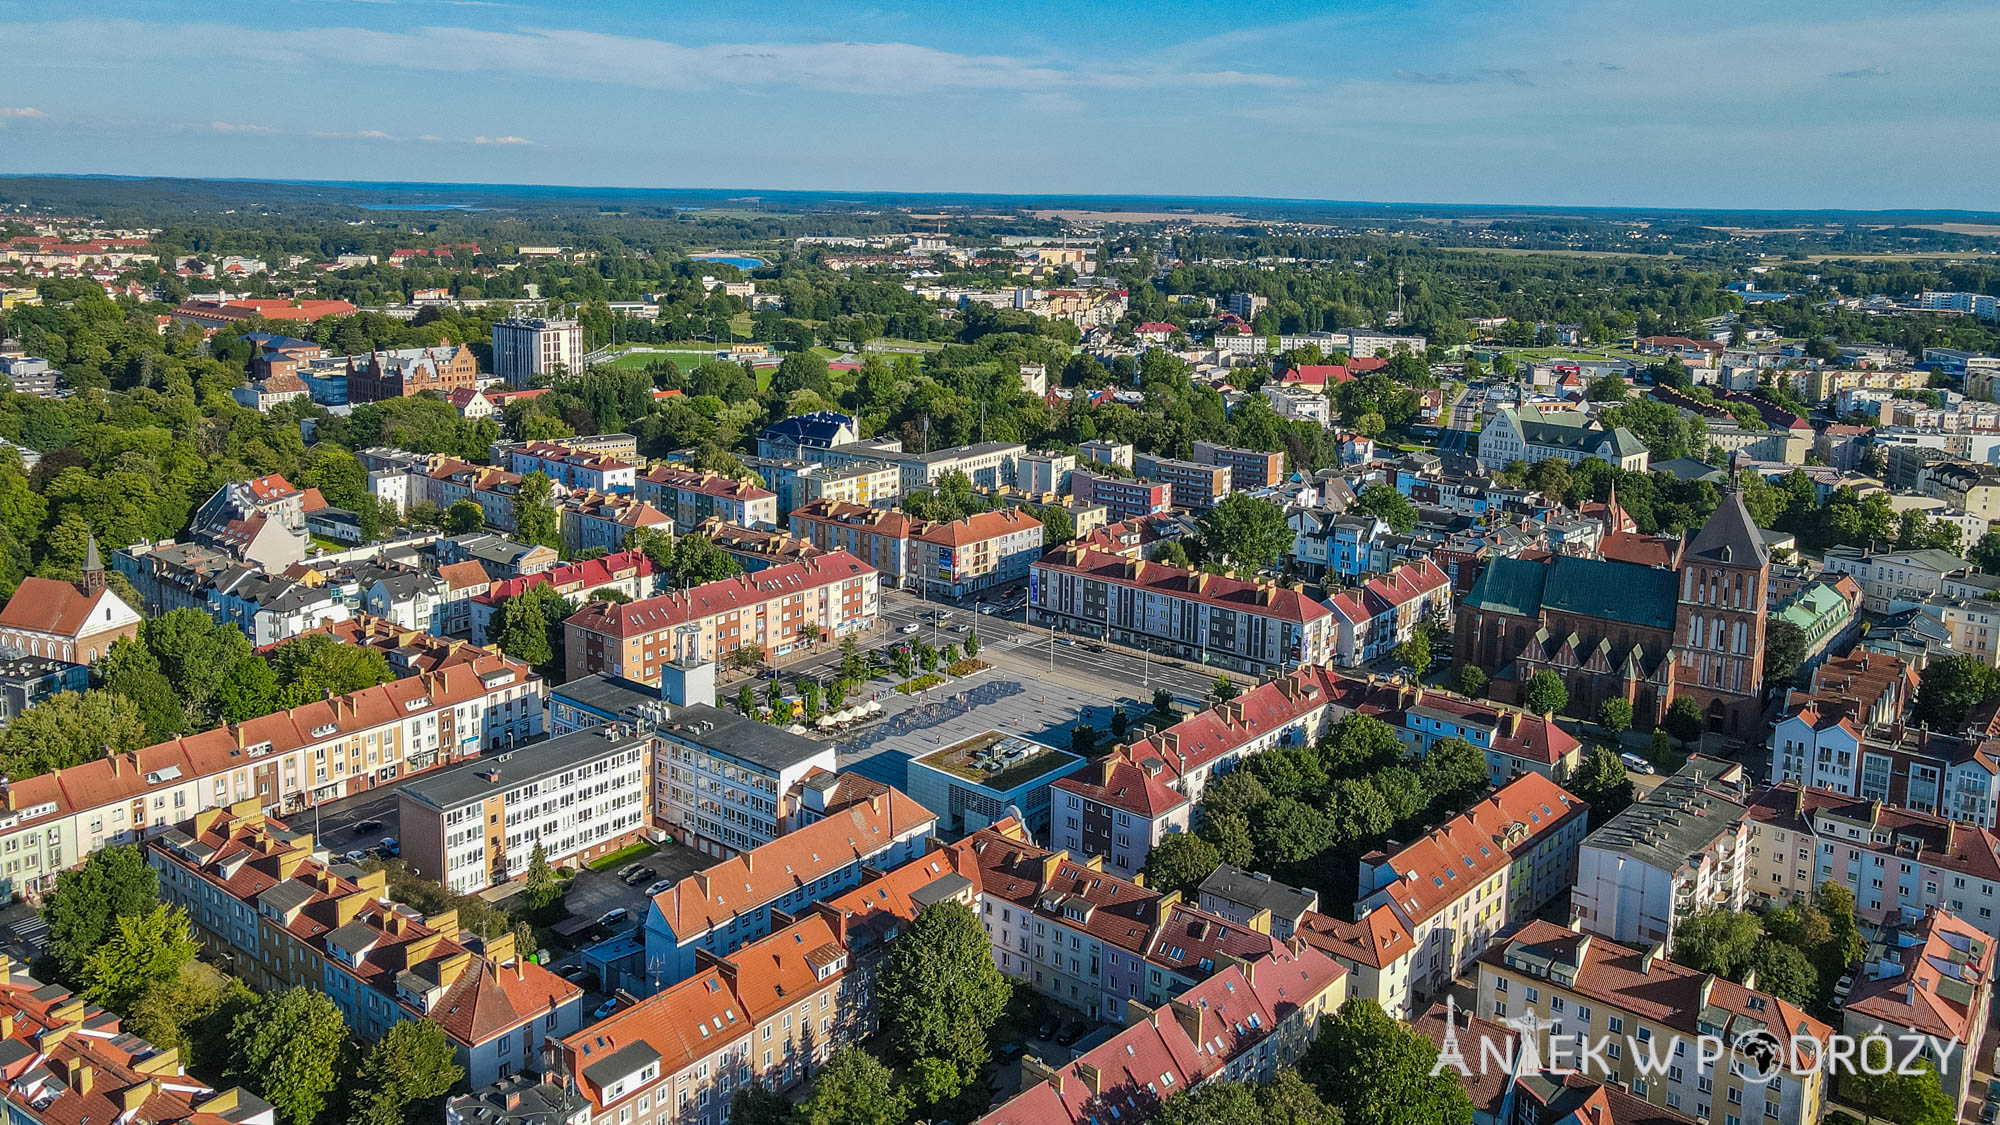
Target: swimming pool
[(739, 261)]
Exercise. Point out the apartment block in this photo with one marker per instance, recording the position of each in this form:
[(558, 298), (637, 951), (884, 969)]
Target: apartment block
[(1240, 625), (1248, 468), (576, 797), (879, 537), (1196, 485), (1652, 1010), (691, 496), (1931, 984), (774, 611), (720, 778), (979, 552), (286, 761), (1682, 850), (1123, 499), (592, 520), (988, 464), (876, 484), (525, 348), (268, 898), (1040, 472), (572, 467)]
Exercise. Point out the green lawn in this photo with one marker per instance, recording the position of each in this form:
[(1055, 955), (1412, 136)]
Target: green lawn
[(639, 361), (632, 851), (881, 342)]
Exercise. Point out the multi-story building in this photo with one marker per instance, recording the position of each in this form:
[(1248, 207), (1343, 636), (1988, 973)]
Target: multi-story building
[(270, 608), (757, 548), (574, 468), (1682, 850), (267, 898), (879, 537), (989, 464), (1246, 897), (1884, 578), (76, 622), (1488, 869), (401, 372), (691, 496), (819, 430), (1246, 626), (525, 348), (877, 484), (1976, 304), (604, 521), (1372, 619), (719, 909), (774, 611), (1377, 951), (721, 778), (27, 680), (1514, 741), (1248, 468), (975, 781), (169, 575), (1102, 452), (1929, 992), (1654, 1011), (260, 521), (977, 552), (573, 798), (629, 573), (1123, 498), (286, 761), (1039, 472), (1531, 435), (1196, 485), (496, 491), (1117, 808)]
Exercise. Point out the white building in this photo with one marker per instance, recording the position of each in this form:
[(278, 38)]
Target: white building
[(524, 347), (1682, 850), (724, 776)]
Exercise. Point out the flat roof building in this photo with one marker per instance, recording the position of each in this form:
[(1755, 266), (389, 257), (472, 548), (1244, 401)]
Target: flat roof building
[(973, 782), (724, 777)]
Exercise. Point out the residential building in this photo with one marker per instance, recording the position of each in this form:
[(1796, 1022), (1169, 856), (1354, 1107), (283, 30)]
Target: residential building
[(1248, 468), (1372, 619), (879, 537), (1530, 434), (595, 701), (1241, 625), (287, 761), (498, 556), (721, 778), (260, 521), (1116, 808), (448, 369), (975, 553), (520, 1099), (1377, 951), (988, 464), (629, 573), (1653, 1009), (775, 611), (877, 484), (267, 898), (1300, 405), (1244, 897), (76, 622), (1196, 485), (1896, 575), (271, 608), (527, 348), (821, 429), (1643, 633), (1928, 991), (169, 575), (496, 491), (1680, 850), (574, 468), (1514, 741), (983, 779), (1123, 498), (1984, 305), (691, 496), (604, 521), (573, 799), (1039, 472), (28, 680), (1107, 452), (1491, 868), (719, 909), (755, 549)]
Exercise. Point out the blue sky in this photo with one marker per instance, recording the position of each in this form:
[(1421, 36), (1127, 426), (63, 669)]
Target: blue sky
[(1764, 103)]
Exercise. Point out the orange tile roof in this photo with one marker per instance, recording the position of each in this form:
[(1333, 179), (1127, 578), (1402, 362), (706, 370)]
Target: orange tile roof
[(1451, 860), (705, 483), (45, 605), (977, 527), (1259, 600), (1122, 783), (649, 615), (1940, 946), (1377, 940), (683, 1023), (774, 972), (1070, 892)]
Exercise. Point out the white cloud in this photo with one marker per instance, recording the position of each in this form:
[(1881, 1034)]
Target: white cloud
[(13, 112), (354, 135), (501, 141), (239, 127)]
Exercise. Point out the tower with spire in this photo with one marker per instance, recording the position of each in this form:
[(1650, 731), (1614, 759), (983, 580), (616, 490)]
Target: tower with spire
[(1725, 577), (93, 570)]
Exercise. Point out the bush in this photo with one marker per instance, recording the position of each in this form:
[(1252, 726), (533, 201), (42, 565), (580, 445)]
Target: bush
[(925, 682), (967, 667), (1684, 719)]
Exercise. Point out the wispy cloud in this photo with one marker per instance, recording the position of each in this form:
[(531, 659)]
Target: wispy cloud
[(1514, 76), (1863, 72), (19, 112), (501, 141), (241, 127), (353, 135)]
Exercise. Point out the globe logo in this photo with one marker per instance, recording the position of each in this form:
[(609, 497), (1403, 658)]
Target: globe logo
[(1760, 1052)]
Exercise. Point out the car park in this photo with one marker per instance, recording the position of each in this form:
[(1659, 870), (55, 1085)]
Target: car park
[(626, 871)]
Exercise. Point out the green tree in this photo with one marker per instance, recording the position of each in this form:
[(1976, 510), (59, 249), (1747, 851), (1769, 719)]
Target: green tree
[(1471, 680), (292, 1048), (315, 665), (696, 560), (746, 699), (1058, 526), (131, 672), (972, 643), (250, 692), (1454, 772), (1716, 941), (1389, 506), (69, 728), (1784, 651), (1163, 702), (1614, 715), (1907, 1099), (463, 517), (542, 889), (854, 665), (192, 1013), (196, 653), (529, 627), (141, 951), (1249, 533), (1376, 1071), (854, 1088), (82, 914), (1545, 694), (1684, 718), (1952, 686), (1285, 1100), (1179, 862), (757, 1104), (1783, 971), (940, 992), (1223, 690), (405, 1076), (1985, 554), (535, 520), (1171, 553), (1602, 782), (1415, 654), (1083, 740)]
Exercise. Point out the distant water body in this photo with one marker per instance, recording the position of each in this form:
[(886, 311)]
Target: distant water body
[(741, 263)]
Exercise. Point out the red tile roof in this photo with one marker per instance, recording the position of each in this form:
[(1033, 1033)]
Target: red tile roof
[(976, 528), (1378, 939), (1449, 861), (1069, 892), (683, 1023), (1961, 847), (583, 576), (1257, 599), (1118, 781), (1905, 989), (651, 614), (45, 605), (705, 483)]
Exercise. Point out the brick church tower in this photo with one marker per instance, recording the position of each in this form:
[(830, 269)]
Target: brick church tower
[(1725, 578)]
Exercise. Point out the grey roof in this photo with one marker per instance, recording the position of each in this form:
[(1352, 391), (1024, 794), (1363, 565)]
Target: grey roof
[(1687, 468), (492, 773), (607, 694), (1677, 819), (518, 1099), (353, 938), (286, 896), (1730, 535), (744, 739), (980, 449), (1258, 891), (940, 888), (629, 1059)]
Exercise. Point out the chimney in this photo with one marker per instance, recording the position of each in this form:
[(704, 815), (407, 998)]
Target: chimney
[(81, 1077), (1092, 1077), (452, 967), (1051, 863), (135, 1096)]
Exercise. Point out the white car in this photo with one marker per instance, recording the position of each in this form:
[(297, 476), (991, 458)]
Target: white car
[(910, 628)]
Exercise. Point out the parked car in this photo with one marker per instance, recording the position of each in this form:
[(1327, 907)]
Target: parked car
[(355, 856), (615, 916), (572, 972), (391, 846), (660, 887), (1635, 763), (605, 1009), (1843, 986), (641, 875), (909, 628), (626, 871), (1071, 1032), (361, 826)]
